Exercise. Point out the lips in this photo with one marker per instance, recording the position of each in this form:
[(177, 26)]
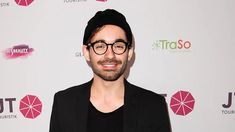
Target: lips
[(109, 64), (109, 67)]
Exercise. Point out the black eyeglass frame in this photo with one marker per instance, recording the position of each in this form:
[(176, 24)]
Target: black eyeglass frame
[(127, 45)]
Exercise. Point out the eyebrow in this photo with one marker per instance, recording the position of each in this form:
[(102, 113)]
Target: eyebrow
[(116, 40)]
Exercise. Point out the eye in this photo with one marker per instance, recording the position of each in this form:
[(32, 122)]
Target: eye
[(119, 45), (99, 45)]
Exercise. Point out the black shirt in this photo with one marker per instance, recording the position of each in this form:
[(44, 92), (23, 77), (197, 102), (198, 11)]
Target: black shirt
[(104, 122)]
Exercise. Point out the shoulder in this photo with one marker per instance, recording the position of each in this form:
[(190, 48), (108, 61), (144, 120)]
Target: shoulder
[(74, 91), (150, 104), (147, 99), (143, 93), (151, 108)]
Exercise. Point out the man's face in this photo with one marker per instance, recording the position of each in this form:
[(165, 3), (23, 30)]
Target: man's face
[(108, 66)]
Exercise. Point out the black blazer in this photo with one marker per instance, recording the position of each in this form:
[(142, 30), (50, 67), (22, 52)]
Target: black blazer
[(144, 111)]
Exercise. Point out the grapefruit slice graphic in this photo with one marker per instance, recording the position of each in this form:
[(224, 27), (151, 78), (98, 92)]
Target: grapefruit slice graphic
[(24, 2), (182, 103), (30, 106)]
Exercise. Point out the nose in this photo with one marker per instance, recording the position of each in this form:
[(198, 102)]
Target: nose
[(109, 53)]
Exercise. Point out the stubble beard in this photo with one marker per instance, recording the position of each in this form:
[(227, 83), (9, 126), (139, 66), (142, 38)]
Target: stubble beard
[(109, 75)]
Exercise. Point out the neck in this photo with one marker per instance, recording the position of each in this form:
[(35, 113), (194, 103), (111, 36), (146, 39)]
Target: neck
[(108, 89), (107, 96)]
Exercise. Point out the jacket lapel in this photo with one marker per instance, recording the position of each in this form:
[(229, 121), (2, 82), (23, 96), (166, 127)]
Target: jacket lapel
[(82, 107), (130, 109)]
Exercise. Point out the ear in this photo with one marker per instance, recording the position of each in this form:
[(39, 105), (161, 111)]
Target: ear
[(86, 52), (130, 53)]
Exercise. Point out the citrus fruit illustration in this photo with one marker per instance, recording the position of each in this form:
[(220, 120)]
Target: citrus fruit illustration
[(24, 2), (30, 106), (182, 103)]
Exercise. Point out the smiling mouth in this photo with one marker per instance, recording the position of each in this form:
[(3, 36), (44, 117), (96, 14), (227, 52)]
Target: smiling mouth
[(109, 66)]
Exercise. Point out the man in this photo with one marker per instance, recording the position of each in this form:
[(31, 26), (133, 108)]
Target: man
[(108, 103)]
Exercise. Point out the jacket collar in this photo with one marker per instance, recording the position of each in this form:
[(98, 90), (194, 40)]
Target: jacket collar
[(130, 103), (130, 108)]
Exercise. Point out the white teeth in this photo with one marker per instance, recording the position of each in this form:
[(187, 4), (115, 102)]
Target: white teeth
[(109, 65)]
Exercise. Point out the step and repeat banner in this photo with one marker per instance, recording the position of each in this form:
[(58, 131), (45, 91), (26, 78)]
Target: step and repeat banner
[(184, 50)]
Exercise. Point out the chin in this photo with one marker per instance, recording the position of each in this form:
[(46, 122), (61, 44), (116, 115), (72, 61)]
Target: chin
[(110, 78)]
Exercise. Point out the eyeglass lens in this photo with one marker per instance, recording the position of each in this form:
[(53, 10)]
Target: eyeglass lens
[(100, 47)]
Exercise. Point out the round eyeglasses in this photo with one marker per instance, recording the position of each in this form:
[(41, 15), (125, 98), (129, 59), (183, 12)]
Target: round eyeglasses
[(100, 47)]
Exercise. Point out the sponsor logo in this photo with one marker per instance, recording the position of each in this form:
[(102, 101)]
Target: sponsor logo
[(182, 103), (102, 0), (30, 106), (23, 2), (6, 108), (18, 51), (73, 1), (227, 107), (9, 101), (167, 45), (78, 54), (4, 4)]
